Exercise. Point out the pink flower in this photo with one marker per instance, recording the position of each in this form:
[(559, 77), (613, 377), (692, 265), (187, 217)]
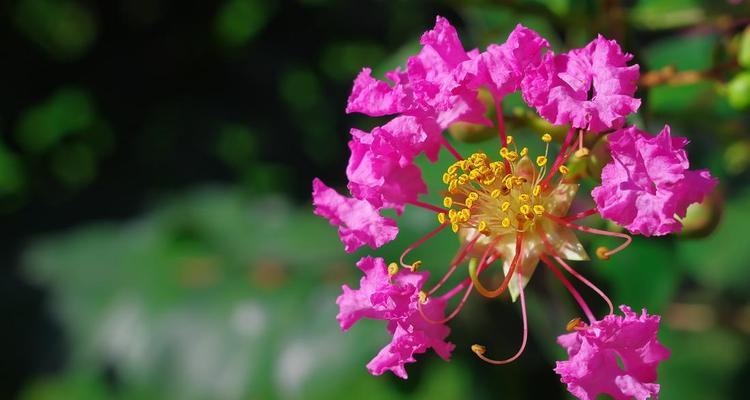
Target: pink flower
[(648, 182), (594, 351), (590, 88), (427, 89), (393, 296), (502, 67), (359, 222)]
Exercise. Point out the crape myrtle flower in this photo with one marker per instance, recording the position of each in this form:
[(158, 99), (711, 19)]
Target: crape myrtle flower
[(594, 351), (508, 208), (648, 182)]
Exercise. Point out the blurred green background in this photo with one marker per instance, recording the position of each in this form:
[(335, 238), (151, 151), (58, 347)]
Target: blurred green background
[(158, 240)]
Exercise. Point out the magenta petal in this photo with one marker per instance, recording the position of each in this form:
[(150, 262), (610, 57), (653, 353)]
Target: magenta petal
[(648, 182), (593, 368), (373, 97), (359, 222), (590, 88)]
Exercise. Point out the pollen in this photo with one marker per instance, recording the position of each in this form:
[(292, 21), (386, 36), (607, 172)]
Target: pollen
[(564, 170), (546, 138), (509, 140), (541, 161), (441, 217)]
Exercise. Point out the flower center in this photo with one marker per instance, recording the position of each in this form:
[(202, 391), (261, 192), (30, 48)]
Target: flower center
[(496, 197)]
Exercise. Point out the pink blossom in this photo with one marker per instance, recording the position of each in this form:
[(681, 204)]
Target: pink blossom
[(359, 222), (594, 351), (648, 183), (394, 298), (502, 67), (590, 88), (427, 89)]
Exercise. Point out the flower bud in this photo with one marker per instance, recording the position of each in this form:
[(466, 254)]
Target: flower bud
[(738, 91)]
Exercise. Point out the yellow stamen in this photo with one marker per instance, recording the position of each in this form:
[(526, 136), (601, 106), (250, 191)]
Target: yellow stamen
[(541, 161), (506, 222), (505, 206), (537, 190), (538, 209), (564, 170), (601, 252), (524, 151), (422, 297), (495, 193), (582, 152), (454, 227), (546, 138), (392, 269), (573, 324), (524, 198), (448, 201), (415, 265), (441, 218), (508, 139), (482, 226), (525, 209)]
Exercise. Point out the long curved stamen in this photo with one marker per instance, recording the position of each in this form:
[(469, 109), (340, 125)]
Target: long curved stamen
[(587, 283), (602, 252), (500, 122), (451, 293), (581, 215), (474, 274), (455, 263), (560, 157), (427, 206), (417, 244), (479, 350), (451, 149), (551, 250), (571, 289)]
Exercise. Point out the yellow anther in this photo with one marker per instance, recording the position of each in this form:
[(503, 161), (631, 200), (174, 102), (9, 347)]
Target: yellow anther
[(415, 265), (463, 179), (546, 138), (574, 324), (512, 156), (508, 139), (446, 178), (392, 269), (537, 190), (482, 226), (525, 209), (582, 152), (452, 186), (469, 202), (478, 348), (422, 297), (505, 206), (447, 201), (506, 222), (441, 218), (465, 213), (524, 197), (489, 181), (538, 209), (541, 161), (453, 168), (495, 193), (509, 182), (503, 152), (474, 174), (452, 214), (602, 252), (564, 170), (454, 228), (524, 151)]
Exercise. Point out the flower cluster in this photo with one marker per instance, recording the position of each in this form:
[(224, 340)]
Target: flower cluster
[(512, 207)]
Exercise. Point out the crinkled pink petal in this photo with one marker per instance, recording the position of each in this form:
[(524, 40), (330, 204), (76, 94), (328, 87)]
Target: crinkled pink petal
[(648, 183), (395, 299), (592, 367), (427, 89), (502, 67), (359, 222), (590, 88), (380, 173), (373, 97)]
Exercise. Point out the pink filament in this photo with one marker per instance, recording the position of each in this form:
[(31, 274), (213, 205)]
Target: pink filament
[(525, 328), (427, 206), (560, 157), (455, 263), (419, 243), (501, 129), (451, 149), (619, 248), (571, 289), (491, 294), (551, 250), (581, 215)]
